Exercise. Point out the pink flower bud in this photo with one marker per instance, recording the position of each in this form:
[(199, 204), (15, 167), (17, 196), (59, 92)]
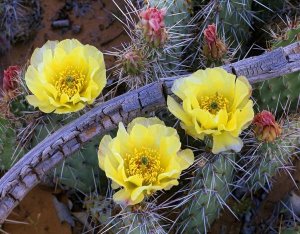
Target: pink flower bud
[(153, 26), (210, 34)]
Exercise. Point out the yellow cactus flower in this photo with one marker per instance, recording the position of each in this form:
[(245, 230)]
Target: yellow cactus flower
[(142, 160), (214, 103), (65, 76)]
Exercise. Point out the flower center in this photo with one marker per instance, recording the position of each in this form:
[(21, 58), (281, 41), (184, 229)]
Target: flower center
[(70, 81), (145, 163), (213, 103)]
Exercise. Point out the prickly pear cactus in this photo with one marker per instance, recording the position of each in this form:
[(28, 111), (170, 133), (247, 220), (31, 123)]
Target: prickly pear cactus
[(178, 13), (19, 105), (281, 93), (232, 18), (178, 16), (80, 171), (99, 208), (9, 150), (267, 158), (138, 219), (208, 192)]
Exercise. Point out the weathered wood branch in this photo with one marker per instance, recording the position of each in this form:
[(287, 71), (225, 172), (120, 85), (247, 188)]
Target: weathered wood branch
[(29, 170)]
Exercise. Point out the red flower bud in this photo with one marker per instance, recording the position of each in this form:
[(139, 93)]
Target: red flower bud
[(265, 126), (10, 78), (214, 48)]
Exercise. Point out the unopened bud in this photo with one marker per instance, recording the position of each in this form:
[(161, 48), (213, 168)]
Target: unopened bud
[(153, 26), (10, 79), (133, 63), (214, 48), (265, 127)]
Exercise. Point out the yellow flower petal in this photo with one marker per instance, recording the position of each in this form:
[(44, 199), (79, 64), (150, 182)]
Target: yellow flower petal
[(34, 84), (65, 76), (177, 110), (225, 141), (76, 98), (64, 98), (122, 196), (68, 45), (136, 180), (242, 92), (65, 110), (100, 80), (103, 150), (37, 55), (32, 100), (142, 160), (140, 136), (146, 122), (114, 185), (47, 109), (169, 146), (137, 194), (214, 103), (186, 158), (112, 172)]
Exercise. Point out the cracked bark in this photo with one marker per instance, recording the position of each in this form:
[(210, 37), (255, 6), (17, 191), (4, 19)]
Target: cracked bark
[(29, 170)]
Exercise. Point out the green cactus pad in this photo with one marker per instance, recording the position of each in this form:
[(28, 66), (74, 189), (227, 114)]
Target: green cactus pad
[(111, 218), (9, 152), (268, 158), (80, 171), (208, 189), (232, 18), (99, 208), (282, 93), (290, 230), (177, 20), (178, 12)]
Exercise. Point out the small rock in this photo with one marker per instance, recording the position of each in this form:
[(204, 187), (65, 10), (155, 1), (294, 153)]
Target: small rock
[(64, 214), (60, 23), (76, 29)]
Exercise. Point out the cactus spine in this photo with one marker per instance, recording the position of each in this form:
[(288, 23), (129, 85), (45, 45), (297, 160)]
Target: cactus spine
[(232, 18), (137, 219), (267, 158), (281, 93), (10, 151), (177, 21), (208, 192), (81, 170)]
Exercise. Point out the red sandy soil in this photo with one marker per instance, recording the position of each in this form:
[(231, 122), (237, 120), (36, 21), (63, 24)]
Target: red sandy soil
[(38, 212), (98, 28)]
